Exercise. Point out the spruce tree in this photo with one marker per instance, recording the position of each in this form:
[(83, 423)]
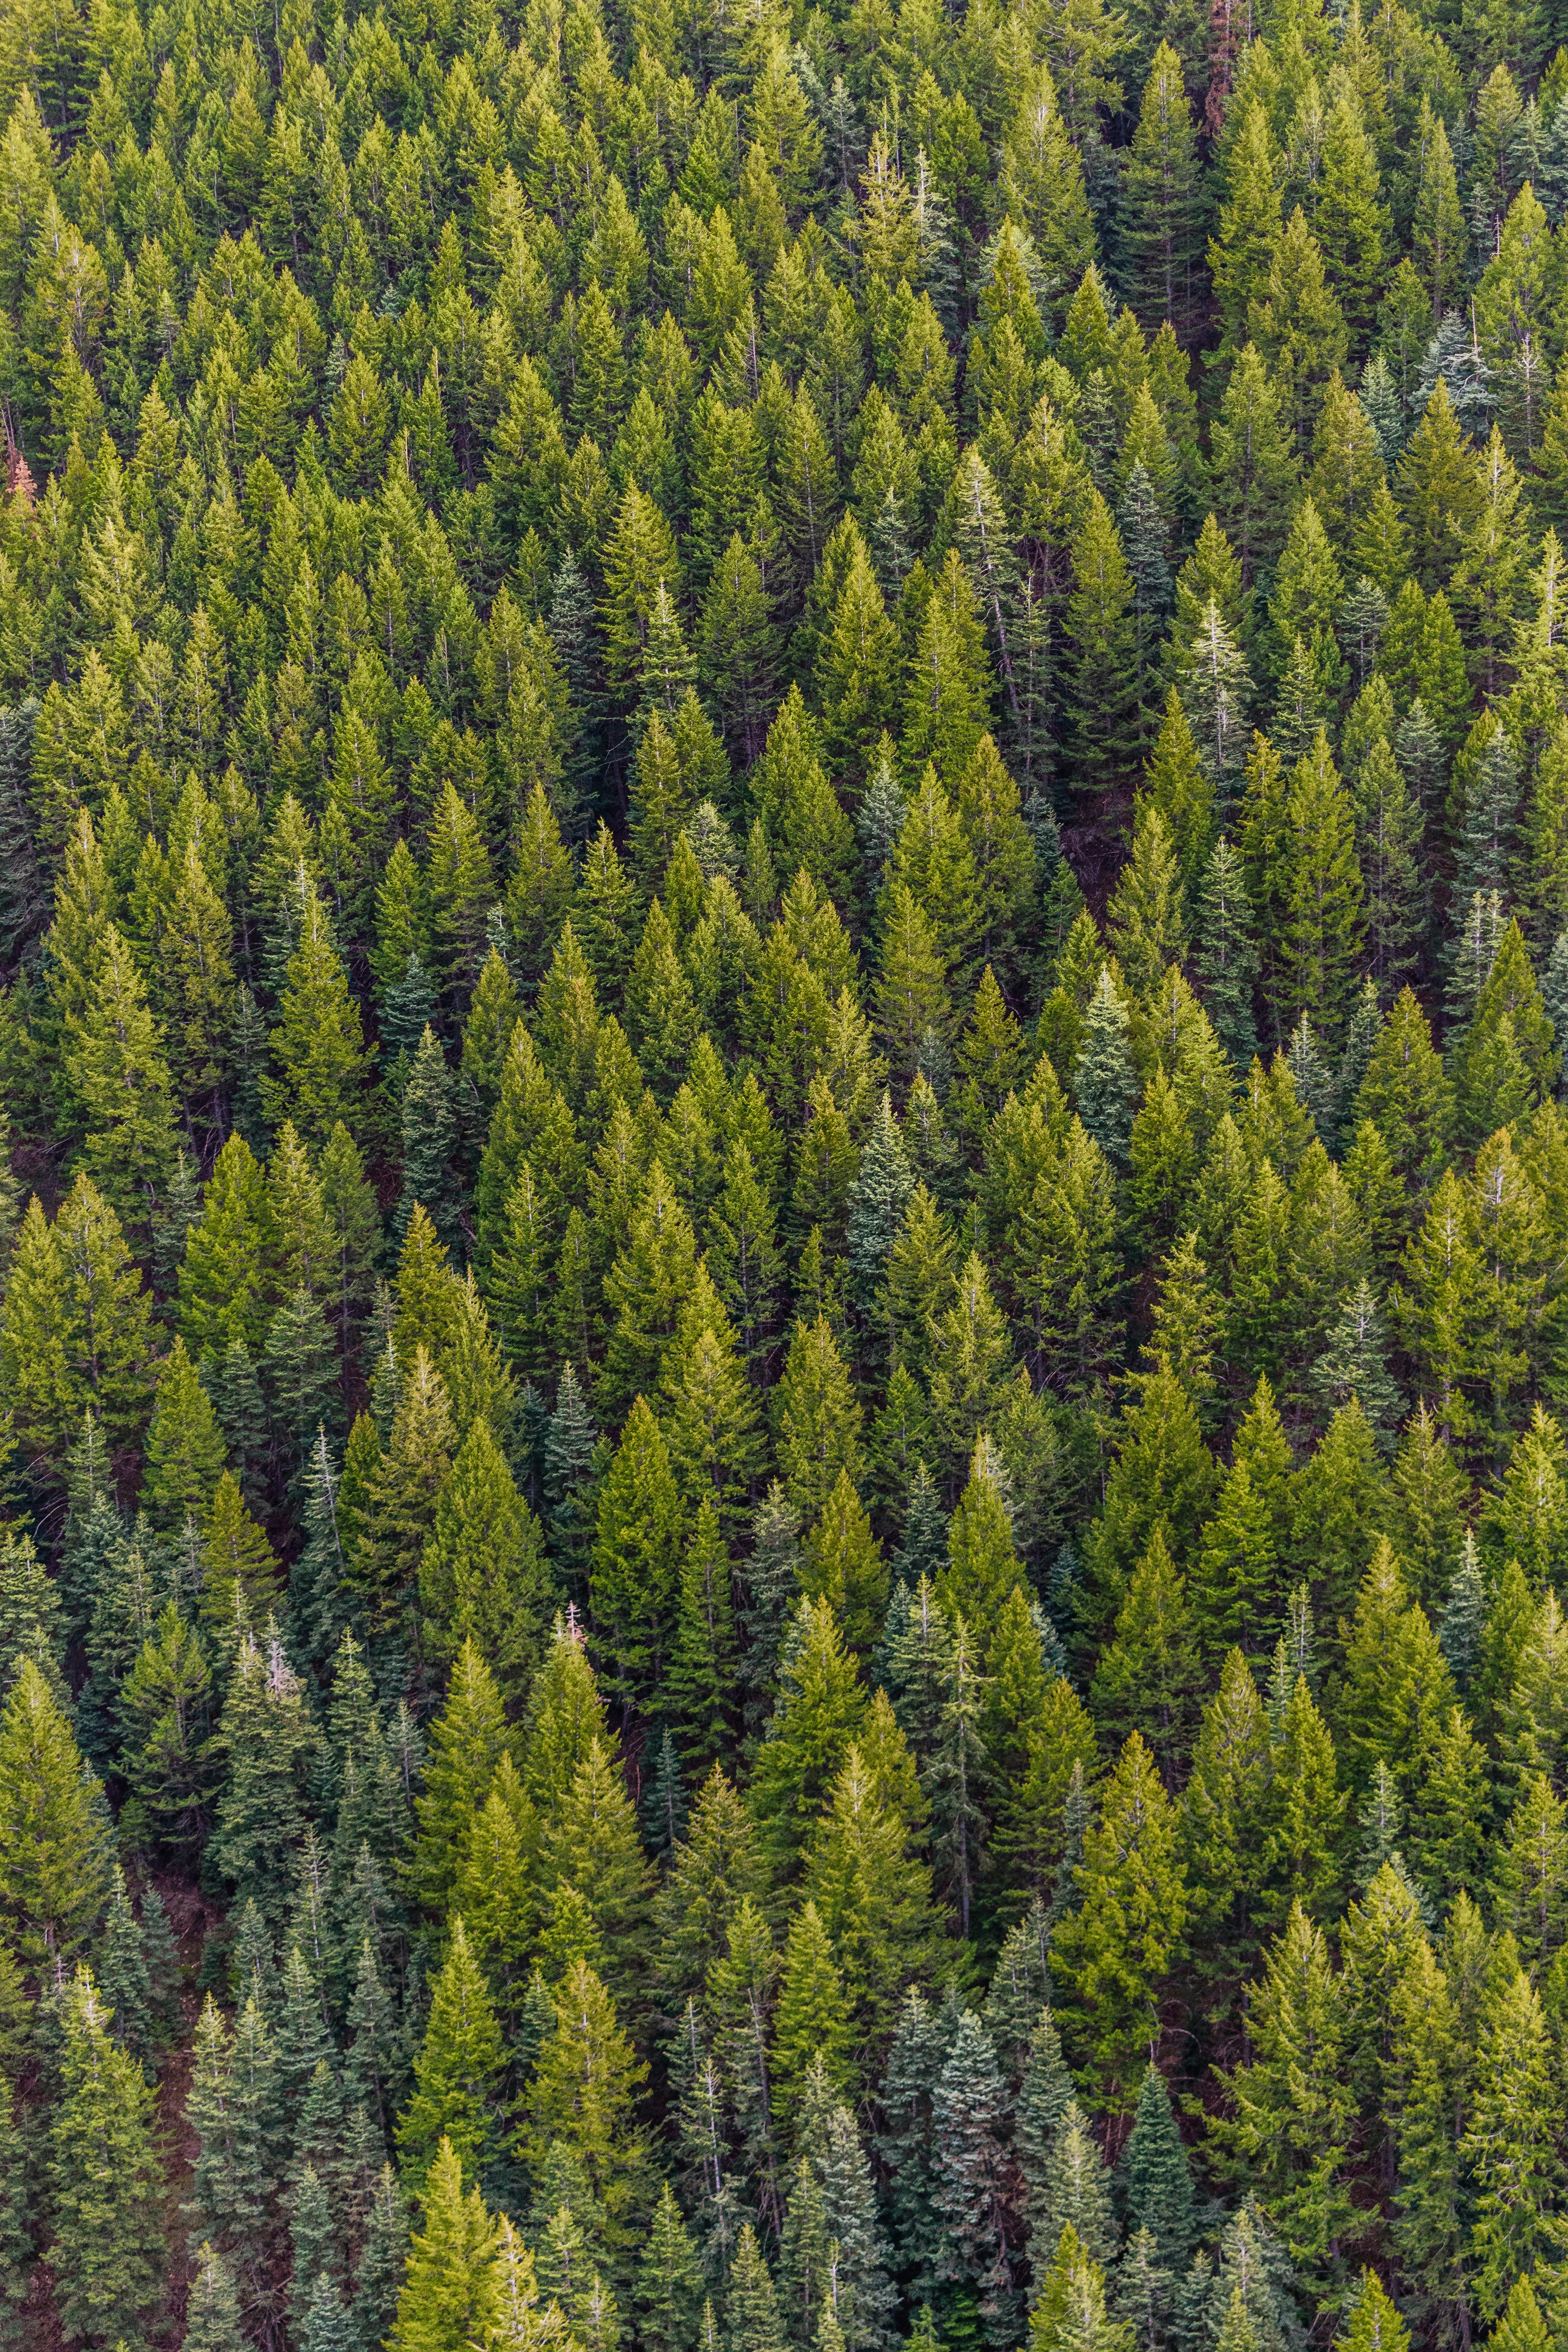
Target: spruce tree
[(270, 1741), (907, 2146), (1459, 1633), (878, 1202), (570, 1472)]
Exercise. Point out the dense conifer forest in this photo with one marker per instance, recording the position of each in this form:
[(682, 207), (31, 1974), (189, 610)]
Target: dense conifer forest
[(784, 1176)]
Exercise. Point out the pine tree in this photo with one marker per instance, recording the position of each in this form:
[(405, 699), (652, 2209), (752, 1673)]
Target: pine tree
[(1236, 1583), (115, 1064), (482, 1574), (1070, 2308), (753, 2314), (582, 2093), (636, 1551), (1507, 2137), (1075, 2190), (1147, 916), (1255, 471), (74, 1326), (15, 2237), (318, 1045)]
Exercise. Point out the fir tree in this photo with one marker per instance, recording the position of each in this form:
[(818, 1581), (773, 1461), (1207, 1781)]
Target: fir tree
[(812, 2024), (1112, 1952), (1157, 2181), (669, 2281), (449, 2290), (1459, 1633), (107, 2252), (429, 1133), (1104, 1082), (54, 1874), (455, 2074), (211, 2322)]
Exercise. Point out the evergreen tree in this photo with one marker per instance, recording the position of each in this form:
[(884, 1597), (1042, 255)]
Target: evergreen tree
[(1507, 2137), (1102, 680), (429, 1133), (15, 2237), (1104, 1082), (212, 2323), (973, 2178), (318, 1047), (455, 2074), (1292, 2106), (53, 1865), (669, 2281), (450, 2290), (1112, 1952), (269, 1741), (482, 1575), (106, 2250), (1157, 2180), (812, 2023), (581, 2093), (1162, 229)]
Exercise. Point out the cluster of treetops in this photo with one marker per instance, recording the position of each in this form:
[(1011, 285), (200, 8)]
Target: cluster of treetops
[(783, 1241)]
